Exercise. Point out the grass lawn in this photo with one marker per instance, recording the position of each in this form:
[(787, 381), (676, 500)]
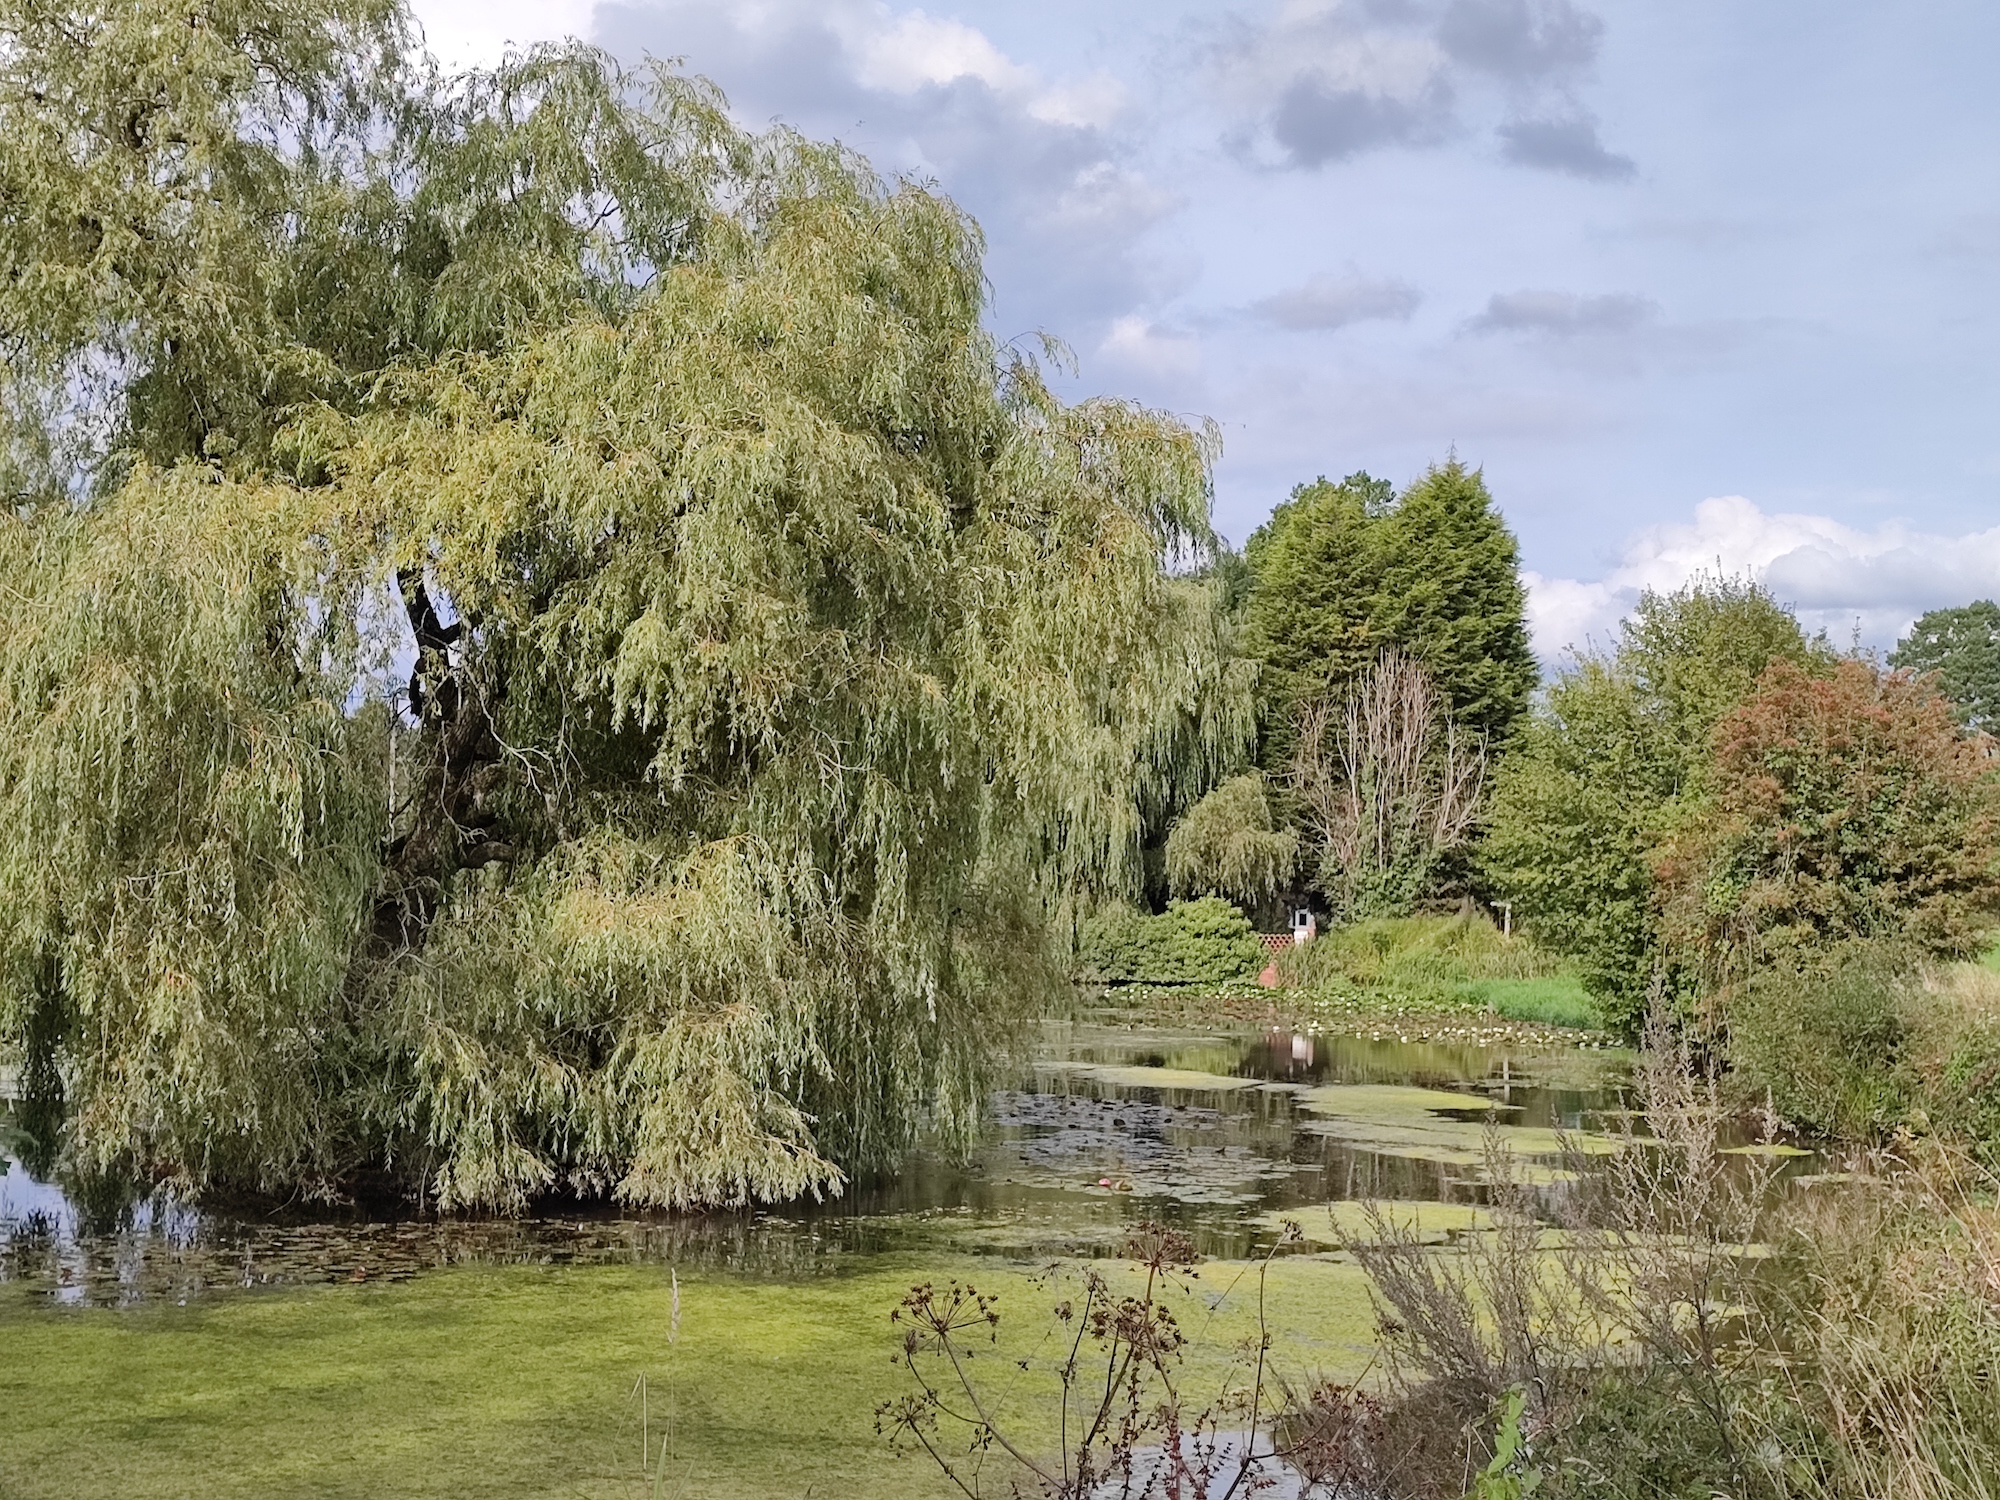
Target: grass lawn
[(492, 1382)]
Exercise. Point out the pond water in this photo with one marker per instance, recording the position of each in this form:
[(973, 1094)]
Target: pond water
[(1222, 1135)]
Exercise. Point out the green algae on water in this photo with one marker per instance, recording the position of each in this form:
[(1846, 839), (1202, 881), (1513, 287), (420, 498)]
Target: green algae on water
[(1402, 1120), (1167, 1080)]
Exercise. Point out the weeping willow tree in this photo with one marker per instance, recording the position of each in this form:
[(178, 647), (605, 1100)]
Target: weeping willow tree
[(1226, 845), (596, 676)]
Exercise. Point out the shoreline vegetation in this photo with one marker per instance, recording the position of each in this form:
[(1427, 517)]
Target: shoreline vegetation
[(1439, 978), (1864, 1289)]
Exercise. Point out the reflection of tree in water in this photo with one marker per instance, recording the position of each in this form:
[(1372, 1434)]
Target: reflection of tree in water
[(1064, 1168)]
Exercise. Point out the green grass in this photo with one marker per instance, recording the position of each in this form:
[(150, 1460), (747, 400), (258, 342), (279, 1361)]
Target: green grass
[(1415, 953), (504, 1382), (1556, 1000), (1458, 973), (1440, 966)]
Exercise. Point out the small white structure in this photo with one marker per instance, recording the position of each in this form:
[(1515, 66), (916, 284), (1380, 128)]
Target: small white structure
[(1304, 927)]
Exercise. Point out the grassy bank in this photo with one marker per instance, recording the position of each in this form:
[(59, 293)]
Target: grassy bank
[(1435, 978), (502, 1382)]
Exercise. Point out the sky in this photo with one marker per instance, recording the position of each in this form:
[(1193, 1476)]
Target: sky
[(1699, 285)]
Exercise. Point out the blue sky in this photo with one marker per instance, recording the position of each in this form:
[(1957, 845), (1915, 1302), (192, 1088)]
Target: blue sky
[(1695, 283)]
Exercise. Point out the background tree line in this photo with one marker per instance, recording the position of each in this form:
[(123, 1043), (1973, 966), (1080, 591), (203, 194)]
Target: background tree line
[(1389, 638), (1716, 816)]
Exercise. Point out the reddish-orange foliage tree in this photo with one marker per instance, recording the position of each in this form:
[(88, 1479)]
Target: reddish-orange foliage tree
[(1841, 806)]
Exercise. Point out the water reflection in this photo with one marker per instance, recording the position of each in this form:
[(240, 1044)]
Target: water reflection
[(1109, 1125)]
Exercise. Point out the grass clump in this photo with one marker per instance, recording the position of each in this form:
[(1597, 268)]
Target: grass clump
[(1555, 1000), (1417, 953)]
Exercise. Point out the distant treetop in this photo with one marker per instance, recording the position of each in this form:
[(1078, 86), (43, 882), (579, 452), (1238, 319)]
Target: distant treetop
[(1963, 647), (1344, 571)]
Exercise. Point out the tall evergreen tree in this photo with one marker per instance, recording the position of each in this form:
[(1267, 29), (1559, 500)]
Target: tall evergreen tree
[(1344, 571)]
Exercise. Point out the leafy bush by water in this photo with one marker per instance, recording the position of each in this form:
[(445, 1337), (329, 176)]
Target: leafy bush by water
[(1953, 1056), (1856, 1044), (1823, 1040), (1207, 941)]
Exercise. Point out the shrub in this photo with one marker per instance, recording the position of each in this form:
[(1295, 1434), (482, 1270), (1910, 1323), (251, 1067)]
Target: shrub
[(1192, 942), (1823, 1040), (1964, 1098), (1953, 1055), (1858, 1040), (1840, 807)]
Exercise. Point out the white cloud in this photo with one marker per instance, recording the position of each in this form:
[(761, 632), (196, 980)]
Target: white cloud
[(475, 33), (1136, 344), (1339, 44), (1838, 577), (901, 54), (1106, 197), (889, 51), (1094, 100), (1568, 614)]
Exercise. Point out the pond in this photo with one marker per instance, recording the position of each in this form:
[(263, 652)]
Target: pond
[(1221, 1135), (209, 1353)]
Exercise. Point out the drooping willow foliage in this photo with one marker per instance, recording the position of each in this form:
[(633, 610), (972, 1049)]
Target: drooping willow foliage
[(1226, 845), (607, 681)]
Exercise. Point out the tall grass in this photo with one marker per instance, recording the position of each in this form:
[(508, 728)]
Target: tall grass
[(1679, 1321), (1461, 960)]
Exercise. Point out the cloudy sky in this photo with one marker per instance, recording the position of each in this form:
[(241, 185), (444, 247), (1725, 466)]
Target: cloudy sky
[(1696, 283)]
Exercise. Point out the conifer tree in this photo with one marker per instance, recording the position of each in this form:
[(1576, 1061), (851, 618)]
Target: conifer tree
[(1343, 572)]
